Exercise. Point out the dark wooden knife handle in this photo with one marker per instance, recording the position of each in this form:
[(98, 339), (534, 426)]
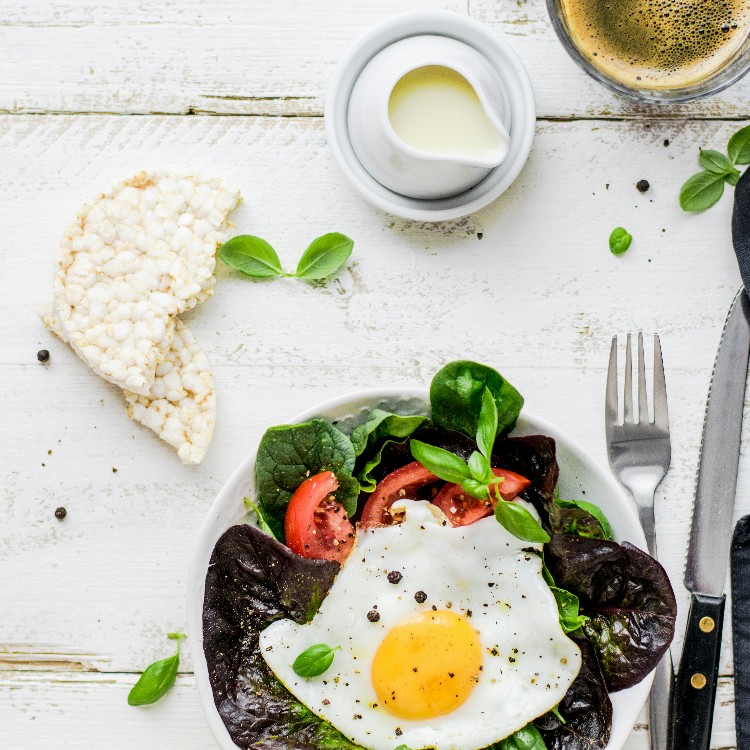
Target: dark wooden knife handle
[(695, 685)]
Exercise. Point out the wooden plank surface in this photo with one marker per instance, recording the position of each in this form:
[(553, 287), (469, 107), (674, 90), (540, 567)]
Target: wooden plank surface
[(235, 57)]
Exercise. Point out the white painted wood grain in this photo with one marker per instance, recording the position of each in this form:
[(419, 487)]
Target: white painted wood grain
[(236, 57), (539, 296)]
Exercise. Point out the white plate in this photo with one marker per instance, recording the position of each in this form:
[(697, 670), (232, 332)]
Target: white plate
[(515, 82), (580, 476)]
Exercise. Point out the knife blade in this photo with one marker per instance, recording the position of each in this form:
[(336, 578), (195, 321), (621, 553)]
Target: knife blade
[(710, 535)]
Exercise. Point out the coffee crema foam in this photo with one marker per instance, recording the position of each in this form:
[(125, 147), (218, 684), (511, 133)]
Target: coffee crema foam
[(657, 44)]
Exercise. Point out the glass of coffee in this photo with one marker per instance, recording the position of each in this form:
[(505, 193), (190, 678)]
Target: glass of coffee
[(657, 50)]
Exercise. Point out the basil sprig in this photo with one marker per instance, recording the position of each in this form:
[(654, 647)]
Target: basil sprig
[(476, 476), (157, 678), (704, 189), (315, 660), (619, 240), (254, 257)]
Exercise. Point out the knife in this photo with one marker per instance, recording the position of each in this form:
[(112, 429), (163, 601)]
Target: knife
[(710, 535), (741, 630)]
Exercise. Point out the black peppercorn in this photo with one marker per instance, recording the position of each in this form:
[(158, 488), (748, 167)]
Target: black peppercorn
[(373, 616), (394, 576), (42, 355), (421, 597), (642, 185), (60, 513)]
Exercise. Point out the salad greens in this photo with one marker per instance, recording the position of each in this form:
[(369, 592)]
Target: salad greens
[(254, 257), (614, 601), (314, 661), (157, 678), (456, 396), (704, 189), (289, 454)]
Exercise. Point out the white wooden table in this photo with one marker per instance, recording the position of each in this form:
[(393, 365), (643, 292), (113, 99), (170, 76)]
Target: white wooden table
[(93, 92)]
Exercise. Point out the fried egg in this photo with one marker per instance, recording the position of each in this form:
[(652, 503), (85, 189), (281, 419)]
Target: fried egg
[(447, 638)]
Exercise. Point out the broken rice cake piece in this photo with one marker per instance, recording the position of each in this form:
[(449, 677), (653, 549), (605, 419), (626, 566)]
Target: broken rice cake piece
[(134, 259)]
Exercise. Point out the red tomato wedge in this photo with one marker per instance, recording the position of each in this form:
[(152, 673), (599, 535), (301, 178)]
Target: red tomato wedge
[(397, 485), (461, 509), (315, 524)]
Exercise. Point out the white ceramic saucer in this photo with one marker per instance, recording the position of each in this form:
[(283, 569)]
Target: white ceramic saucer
[(514, 79)]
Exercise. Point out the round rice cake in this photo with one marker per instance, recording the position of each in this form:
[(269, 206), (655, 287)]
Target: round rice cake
[(181, 405), (133, 259)]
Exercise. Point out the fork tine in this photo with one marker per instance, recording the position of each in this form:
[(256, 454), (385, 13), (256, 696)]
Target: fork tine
[(628, 400), (610, 401), (642, 396), (661, 415)]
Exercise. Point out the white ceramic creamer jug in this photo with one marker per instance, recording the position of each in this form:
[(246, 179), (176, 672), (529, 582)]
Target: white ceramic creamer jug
[(427, 117)]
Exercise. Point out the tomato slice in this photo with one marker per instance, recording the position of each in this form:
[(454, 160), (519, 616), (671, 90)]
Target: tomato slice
[(397, 485), (315, 524), (462, 509)]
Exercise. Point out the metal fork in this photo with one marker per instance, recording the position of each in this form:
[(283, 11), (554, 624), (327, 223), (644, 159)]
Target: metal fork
[(639, 454)]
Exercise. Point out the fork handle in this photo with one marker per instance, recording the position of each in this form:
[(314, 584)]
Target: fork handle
[(695, 686)]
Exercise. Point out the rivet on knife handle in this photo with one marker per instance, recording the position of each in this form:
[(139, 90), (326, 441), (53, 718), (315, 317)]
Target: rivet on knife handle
[(695, 685)]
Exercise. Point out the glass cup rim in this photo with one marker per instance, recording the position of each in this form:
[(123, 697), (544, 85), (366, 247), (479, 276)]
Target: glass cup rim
[(705, 87)]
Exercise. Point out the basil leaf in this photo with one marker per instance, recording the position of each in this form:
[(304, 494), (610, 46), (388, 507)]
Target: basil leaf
[(252, 256), (441, 463), (456, 394), (527, 738), (619, 241), (289, 454), (487, 425), (714, 161), (325, 256), (403, 747), (157, 678), (701, 191), (519, 522), (479, 467), (733, 177), (567, 607), (260, 516), (739, 146), (591, 509), (479, 490), (315, 660)]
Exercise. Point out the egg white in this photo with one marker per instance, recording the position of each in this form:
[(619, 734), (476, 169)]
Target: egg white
[(479, 571)]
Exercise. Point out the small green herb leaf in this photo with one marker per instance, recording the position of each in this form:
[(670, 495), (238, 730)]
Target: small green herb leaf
[(403, 747), (701, 191), (479, 467), (555, 710), (480, 490), (519, 522), (733, 177), (260, 516), (739, 146), (619, 241), (157, 678), (315, 660), (487, 425), (252, 256), (527, 738), (567, 607), (444, 464), (714, 161), (325, 256)]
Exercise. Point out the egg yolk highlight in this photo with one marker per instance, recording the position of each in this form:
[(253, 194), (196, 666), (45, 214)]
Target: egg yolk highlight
[(427, 665)]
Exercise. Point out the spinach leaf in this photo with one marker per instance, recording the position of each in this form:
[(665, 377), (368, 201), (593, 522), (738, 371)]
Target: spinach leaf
[(157, 678), (456, 397), (289, 454), (628, 598), (527, 738), (252, 256), (369, 439), (567, 607), (581, 518), (314, 661), (259, 516), (739, 146), (325, 256), (586, 708), (252, 581)]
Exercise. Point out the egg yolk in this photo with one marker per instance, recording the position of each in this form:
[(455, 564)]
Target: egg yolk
[(427, 665)]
